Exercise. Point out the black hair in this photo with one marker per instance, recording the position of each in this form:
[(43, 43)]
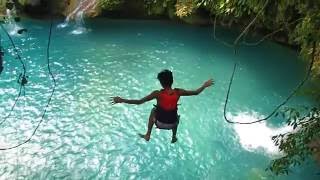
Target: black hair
[(165, 77)]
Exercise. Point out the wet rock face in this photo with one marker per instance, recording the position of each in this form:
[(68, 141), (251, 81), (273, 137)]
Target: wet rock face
[(71, 7), (9, 5), (25, 6), (68, 6), (197, 19), (39, 8), (34, 2), (36, 7), (6, 4)]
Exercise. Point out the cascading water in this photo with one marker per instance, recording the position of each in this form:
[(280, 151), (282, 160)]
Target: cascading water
[(79, 26), (78, 16), (11, 26)]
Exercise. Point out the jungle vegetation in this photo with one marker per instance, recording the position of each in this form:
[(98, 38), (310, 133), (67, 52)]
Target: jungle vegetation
[(295, 21)]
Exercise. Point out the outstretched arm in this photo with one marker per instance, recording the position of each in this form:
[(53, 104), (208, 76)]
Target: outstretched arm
[(117, 99), (206, 84)]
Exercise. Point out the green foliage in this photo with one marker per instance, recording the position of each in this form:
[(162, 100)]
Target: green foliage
[(110, 4), (296, 145), (235, 8), (185, 7), (299, 20)]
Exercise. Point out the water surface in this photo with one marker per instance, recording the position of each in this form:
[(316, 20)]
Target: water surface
[(84, 137)]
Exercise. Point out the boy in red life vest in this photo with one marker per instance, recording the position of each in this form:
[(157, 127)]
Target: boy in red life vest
[(164, 114)]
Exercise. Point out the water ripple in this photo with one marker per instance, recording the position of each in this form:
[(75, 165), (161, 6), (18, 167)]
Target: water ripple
[(84, 137)]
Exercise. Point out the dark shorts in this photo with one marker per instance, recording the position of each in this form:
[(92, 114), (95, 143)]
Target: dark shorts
[(166, 119), (162, 125)]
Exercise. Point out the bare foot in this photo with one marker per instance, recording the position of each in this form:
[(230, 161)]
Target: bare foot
[(145, 136), (174, 139)]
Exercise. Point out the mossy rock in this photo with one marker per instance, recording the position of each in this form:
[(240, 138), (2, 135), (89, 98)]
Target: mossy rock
[(196, 19)]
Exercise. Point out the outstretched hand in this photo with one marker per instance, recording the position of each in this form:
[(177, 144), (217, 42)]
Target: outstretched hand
[(208, 83), (115, 100)]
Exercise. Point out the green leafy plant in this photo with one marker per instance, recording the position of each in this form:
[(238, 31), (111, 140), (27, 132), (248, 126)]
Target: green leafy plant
[(300, 143), (110, 4)]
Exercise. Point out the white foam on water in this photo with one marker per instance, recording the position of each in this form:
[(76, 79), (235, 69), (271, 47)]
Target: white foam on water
[(79, 30), (11, 26), (256, 136), (63, 25)]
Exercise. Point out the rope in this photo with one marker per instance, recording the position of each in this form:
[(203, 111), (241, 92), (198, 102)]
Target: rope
[(235, 43), (214, 34), (1, 55), (15, 49), (49, 100), (262, 39), (269, 35), (13, 106), (22, 83), (280, 105)]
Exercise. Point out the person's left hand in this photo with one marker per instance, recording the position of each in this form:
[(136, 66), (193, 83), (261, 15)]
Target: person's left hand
[(208, 83), (115, 100)]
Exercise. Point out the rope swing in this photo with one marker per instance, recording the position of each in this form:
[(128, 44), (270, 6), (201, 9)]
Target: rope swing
[(281, 104), (22, 80), (235, 46), (49, 99)]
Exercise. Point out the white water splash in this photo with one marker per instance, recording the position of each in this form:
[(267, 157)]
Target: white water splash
[(79, 26), (11, 26), (258, 135), (63, 25)]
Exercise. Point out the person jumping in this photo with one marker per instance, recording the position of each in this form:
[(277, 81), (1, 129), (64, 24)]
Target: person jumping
[(165, 113)]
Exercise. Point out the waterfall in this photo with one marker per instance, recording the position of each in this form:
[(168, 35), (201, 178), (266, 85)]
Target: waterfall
[(79, 26), (77, 16), (10, 24)]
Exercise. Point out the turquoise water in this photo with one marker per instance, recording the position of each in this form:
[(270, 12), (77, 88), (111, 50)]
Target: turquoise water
[(84, 137)]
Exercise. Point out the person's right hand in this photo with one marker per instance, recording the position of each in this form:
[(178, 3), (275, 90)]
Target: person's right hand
[(208, 83)]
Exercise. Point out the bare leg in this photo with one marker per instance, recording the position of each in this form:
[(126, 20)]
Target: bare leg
[(174, 134), (150, 125)]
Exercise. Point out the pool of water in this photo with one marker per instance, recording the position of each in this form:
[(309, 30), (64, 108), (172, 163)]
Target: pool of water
[(84, 137)]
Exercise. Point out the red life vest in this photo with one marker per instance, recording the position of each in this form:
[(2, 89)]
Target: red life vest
[(168, 101)]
